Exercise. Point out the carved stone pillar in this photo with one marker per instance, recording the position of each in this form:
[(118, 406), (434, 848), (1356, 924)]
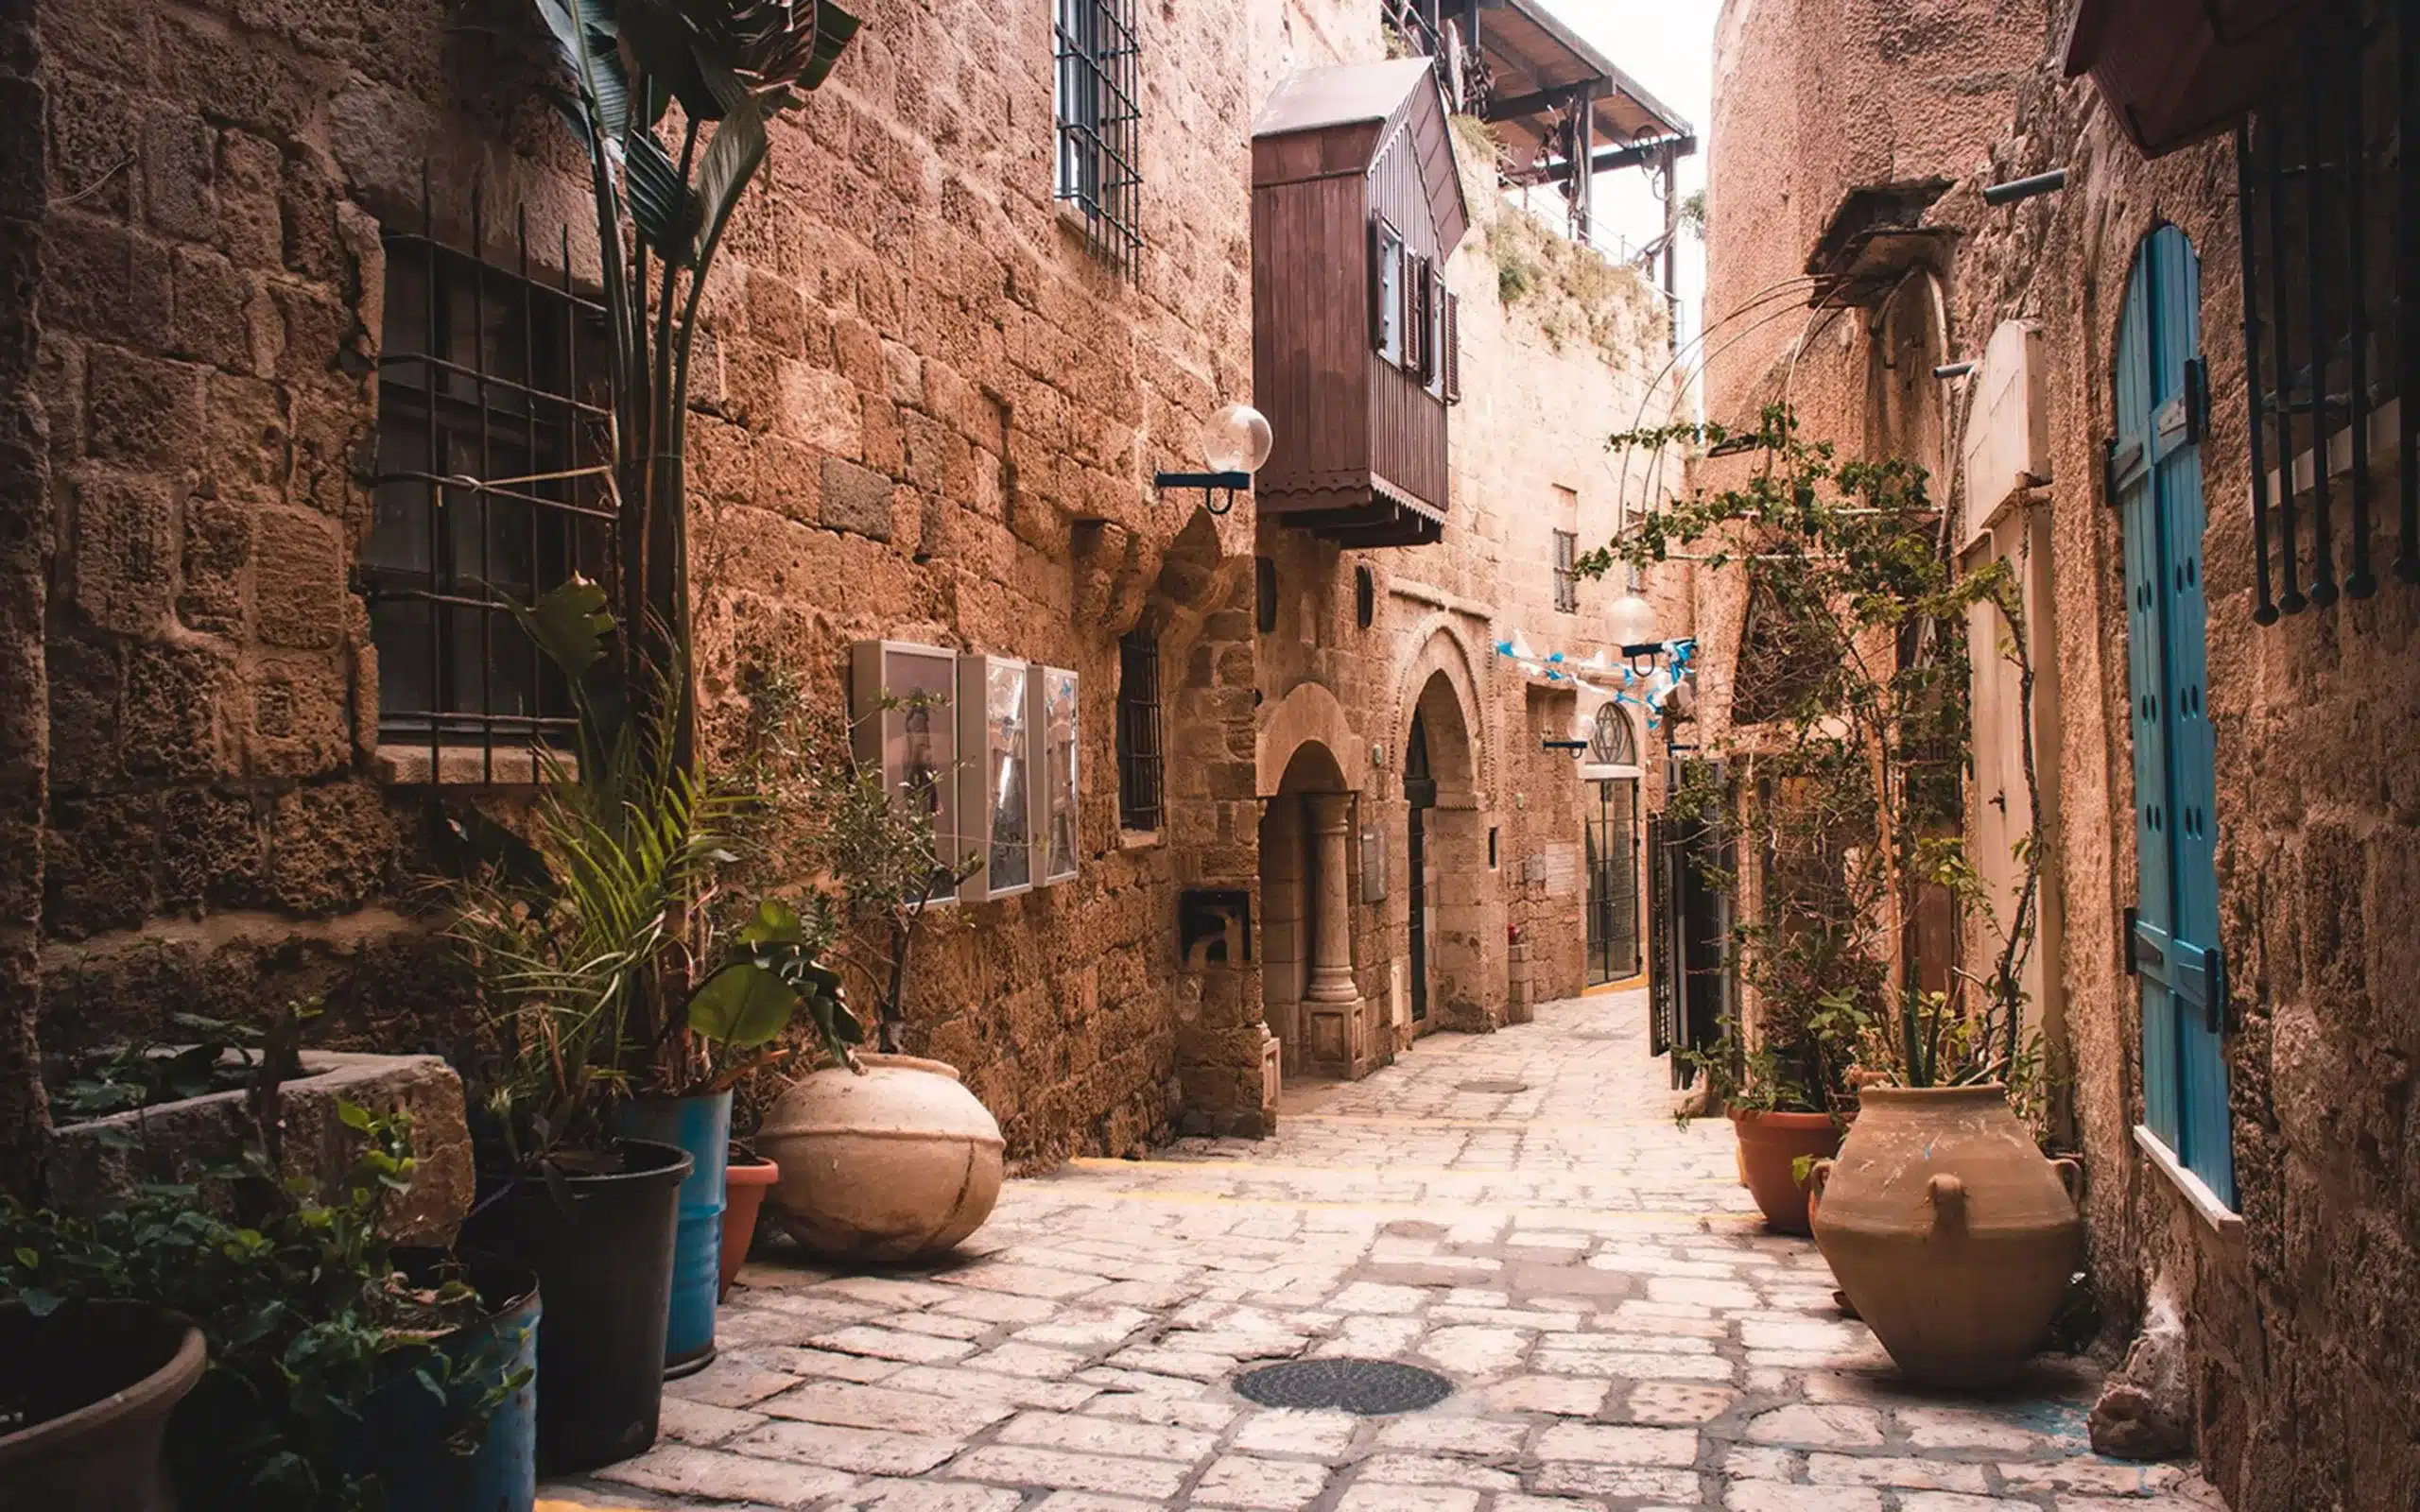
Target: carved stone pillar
[(1331, 979)]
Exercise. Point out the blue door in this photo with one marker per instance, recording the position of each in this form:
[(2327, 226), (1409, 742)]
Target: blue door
[(2156, 474)]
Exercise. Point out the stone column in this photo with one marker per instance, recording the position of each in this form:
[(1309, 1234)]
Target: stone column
[(1331, 903)]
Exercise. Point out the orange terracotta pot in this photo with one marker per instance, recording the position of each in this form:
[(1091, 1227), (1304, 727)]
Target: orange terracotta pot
[(1770, 1146), (1952, 1236), (744, 1187)]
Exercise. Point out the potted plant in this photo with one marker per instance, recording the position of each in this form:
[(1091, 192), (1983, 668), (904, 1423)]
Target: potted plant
[(747, 1178), (1787, 1085), (619, 1005), (710, 74), (1951, 1233), (312, 1329), (882, 1156)]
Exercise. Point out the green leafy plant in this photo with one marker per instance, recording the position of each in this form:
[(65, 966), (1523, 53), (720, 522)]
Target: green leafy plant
[(613, 966), (1849, 746), (872, 853), (223, 1056), (306, 1310), (709, 76)]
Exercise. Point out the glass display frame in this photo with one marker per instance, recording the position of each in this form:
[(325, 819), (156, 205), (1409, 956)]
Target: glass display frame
[(1057, 721), (904, 721), (996, 800)]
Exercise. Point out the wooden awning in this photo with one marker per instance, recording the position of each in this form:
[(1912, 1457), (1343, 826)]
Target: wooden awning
[(2176, 71), (1537, 66)]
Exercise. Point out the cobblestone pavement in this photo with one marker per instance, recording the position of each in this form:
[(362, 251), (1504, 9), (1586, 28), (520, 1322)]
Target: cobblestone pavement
[(1516, 1210)]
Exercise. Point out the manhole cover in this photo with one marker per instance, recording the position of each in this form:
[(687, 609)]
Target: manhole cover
[(1493, 1084), (1369, 1388)]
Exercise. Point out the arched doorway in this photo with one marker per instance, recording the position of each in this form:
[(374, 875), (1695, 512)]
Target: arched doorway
[(1451, 914), (1310, 1000)]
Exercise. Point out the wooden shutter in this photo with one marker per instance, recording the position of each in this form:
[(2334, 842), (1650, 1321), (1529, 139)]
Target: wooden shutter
[(1415, 274), (1452, 356), (1377, 285)]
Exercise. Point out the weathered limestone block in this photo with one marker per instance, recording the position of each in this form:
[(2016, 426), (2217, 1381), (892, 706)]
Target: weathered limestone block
[(92, 1167), (2146, 1407)]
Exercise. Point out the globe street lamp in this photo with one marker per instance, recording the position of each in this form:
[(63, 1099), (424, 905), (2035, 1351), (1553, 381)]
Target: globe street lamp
[(1234, 442)]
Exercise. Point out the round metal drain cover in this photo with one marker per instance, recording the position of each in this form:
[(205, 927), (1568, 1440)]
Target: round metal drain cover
[(1369, 1388), (1496, 1084)]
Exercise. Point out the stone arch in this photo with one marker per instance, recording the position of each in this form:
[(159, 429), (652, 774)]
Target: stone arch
[(1444, 648), (1452, 907), (1309, 715)]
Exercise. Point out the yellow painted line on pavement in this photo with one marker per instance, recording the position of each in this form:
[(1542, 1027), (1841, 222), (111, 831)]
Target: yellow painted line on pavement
[(1111, 1162), (1175, 1197), (1508, 1124)]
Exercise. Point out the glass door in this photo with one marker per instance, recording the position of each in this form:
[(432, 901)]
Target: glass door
[(1611, 827)]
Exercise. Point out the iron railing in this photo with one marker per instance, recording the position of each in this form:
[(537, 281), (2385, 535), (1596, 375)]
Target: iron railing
[(491, 485), (1098, 88), (2330, 217)]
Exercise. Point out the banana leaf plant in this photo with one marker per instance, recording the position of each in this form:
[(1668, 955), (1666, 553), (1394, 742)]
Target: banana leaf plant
[(731, 67), (610, 965)]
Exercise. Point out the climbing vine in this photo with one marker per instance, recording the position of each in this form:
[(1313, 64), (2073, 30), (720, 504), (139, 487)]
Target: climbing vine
[(1845, 766)]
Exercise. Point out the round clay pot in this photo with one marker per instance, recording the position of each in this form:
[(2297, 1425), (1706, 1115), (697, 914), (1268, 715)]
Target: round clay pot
[(1770, 1146), (1952, 1236), (100, 1380), (895, 1162), (744, 1185)]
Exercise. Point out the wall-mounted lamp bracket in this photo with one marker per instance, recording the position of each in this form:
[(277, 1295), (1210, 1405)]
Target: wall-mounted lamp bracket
[(2016, 189), (1209, 483), (1569, 748)]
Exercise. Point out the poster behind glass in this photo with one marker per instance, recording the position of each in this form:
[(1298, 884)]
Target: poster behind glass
[(904, 716), (1055, 700), (996, 796)]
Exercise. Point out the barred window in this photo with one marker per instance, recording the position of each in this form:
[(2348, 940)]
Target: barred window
[(1567, 574), (1097, 88), (492, 400), (1139, 797)]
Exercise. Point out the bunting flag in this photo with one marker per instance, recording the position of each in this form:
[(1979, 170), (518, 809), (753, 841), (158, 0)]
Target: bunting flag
[(1671, 660)]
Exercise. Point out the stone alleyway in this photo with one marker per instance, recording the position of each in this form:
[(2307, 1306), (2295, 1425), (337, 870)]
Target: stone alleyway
[(1515, 1211)]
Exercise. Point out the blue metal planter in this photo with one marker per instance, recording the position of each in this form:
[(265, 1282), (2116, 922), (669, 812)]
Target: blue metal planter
[(405, 1428), (701, 1125)]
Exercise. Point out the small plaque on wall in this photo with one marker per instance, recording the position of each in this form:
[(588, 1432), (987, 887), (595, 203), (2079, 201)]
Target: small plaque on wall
[(1373, 863)]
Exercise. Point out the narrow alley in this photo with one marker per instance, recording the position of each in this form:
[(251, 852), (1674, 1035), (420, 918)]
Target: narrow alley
[(1516, 1211)]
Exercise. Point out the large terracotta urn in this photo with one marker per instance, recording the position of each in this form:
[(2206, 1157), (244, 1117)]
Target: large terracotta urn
[(1952, 1236), (893, 1162)]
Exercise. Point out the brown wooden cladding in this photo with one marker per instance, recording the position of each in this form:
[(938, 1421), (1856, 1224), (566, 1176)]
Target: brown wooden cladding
[(1359, 444)]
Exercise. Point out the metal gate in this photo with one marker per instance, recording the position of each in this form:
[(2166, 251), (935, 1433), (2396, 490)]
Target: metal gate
[(1611, 829), (1688, 933)]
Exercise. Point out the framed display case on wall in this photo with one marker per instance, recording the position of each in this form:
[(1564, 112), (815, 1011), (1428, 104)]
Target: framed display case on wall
[(1054, 718), (904, 718), (995, 797)]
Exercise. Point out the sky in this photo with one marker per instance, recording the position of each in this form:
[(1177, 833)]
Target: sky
[(1668, 46)]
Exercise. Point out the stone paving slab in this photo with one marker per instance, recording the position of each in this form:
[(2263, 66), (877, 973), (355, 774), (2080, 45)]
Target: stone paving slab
[(1620, 1330)]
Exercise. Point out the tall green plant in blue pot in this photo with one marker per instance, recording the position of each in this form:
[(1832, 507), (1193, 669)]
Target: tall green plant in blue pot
[(733, 1023), (625, 988)]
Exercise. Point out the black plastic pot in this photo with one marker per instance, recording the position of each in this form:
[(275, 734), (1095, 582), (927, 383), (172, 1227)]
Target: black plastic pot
[(95, 1382), (602, 1249)]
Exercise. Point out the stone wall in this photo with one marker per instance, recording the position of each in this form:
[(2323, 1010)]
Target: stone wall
[(2301, 1351), (924, 411), (921, 397), (24, 569)]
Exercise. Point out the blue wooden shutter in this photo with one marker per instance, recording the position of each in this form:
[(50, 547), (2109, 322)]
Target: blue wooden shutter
[(2156, 475)]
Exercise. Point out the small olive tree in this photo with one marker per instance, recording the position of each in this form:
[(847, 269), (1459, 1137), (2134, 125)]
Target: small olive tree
[(1852, 729)]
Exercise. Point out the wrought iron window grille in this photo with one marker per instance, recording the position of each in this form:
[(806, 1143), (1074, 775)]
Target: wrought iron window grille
[(1097, 93), (493, 484), (2328, 204), (1141, 803)]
